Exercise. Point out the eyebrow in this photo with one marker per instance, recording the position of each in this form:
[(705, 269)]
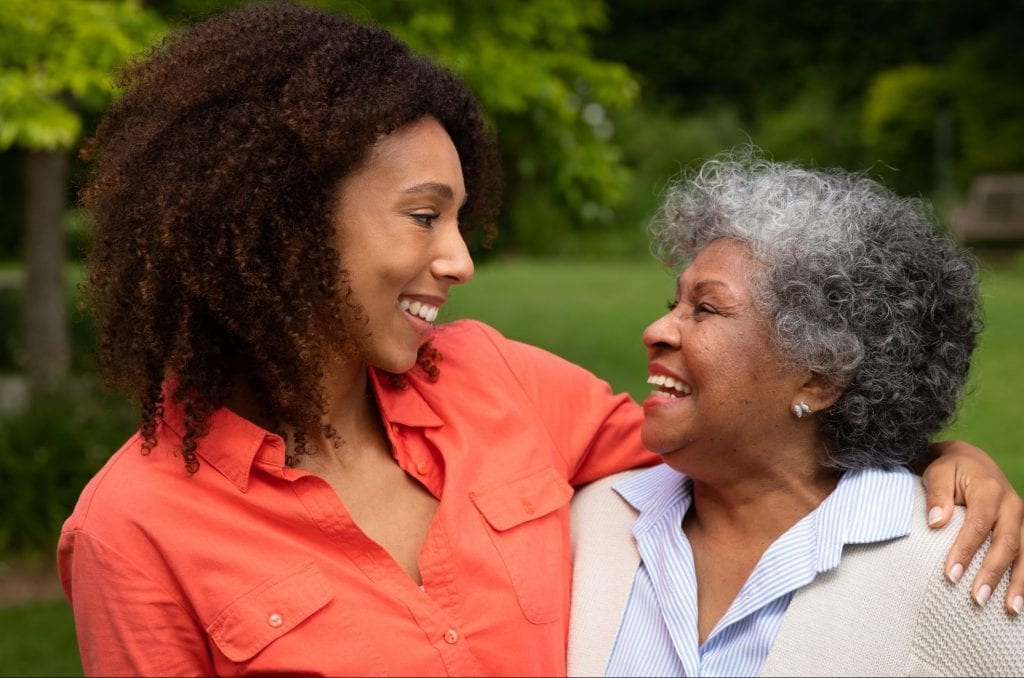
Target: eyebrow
[(702, 286), (435, 188)]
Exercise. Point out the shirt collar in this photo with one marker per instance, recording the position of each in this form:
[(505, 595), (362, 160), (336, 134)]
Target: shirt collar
[(870, 505), (867, 506), (404, 405), (653, 492), (232, 443)]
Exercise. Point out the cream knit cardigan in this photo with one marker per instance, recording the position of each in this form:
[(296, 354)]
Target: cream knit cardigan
[(886, 610)]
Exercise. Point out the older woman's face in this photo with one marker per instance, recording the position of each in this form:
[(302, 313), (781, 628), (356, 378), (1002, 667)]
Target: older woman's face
[(726, 390), (399, 239)]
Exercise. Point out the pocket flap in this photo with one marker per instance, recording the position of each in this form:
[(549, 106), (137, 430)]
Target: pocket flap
[(269, 611), (534, 495)]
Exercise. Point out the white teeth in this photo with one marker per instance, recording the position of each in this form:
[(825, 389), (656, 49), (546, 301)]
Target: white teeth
[(418, 308), (669, 383)]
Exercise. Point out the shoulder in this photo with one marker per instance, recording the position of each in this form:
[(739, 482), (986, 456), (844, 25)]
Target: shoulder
[(599, 491), (136, 490), (471, 345), (480, 340), (598, 508), (888, 608), (953, 634)]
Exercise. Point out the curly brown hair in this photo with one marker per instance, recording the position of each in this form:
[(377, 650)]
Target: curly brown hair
[(212, 189)]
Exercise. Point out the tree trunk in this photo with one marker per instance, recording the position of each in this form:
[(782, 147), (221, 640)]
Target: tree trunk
[(47, 344)]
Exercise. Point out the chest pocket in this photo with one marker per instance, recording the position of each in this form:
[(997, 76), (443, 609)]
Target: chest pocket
[(269, 611), (529, 531)]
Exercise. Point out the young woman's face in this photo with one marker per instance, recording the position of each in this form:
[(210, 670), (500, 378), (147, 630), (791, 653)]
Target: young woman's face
[(729, 389), (398, 235)]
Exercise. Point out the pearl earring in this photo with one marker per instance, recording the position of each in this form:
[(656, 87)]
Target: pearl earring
[(800, 409)]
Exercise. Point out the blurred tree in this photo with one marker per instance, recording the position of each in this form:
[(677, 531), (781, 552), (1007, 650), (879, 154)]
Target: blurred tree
[(531, 64), (900, 124), (918, 91), (986, 80), (56, 63), (942, 125)]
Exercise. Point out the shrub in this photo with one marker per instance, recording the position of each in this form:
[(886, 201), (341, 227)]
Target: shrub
[(48, 452)]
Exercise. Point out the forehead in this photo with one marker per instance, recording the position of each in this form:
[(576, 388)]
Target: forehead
[(424, 138), (723, 260), (418, 155)]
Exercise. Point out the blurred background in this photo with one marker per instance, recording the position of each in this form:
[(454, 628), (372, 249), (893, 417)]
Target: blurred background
[(597, 103)]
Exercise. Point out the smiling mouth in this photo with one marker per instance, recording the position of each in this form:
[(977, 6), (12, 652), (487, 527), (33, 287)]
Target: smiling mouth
[(419, 309), (668, 387)]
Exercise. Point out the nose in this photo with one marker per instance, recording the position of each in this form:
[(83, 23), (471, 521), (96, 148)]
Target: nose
[(453, 261), (662, 334)]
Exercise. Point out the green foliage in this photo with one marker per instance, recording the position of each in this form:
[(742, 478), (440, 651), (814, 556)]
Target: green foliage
[(48, 452), (812, 128), (38, 639), (657, 144), (900, 124), (12, 338), (551, 101), (531, 64), (57, 60), (987, 81)]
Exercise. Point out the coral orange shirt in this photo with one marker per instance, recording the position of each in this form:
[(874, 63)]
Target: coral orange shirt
[(250, 566)]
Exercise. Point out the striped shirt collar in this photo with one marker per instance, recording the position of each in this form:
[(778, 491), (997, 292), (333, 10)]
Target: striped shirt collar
[(869, 505)]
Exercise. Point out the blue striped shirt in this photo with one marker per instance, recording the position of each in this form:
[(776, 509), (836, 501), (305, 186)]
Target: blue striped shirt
[(658, 635)]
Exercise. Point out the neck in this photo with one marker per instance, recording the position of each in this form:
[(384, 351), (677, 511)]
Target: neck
[(754, 498), (351, 409)]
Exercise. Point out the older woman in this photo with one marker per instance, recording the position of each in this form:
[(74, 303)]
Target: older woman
[(820, 334)]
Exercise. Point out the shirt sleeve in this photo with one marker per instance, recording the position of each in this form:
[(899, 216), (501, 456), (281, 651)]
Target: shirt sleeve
[(596, 430), (126, 623)]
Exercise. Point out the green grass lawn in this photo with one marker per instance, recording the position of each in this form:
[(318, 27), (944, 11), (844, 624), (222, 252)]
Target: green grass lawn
[(593, 313), (38, 639), (991, 413)]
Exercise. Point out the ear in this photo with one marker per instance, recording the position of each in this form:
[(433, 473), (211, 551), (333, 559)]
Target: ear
[(818, 392)]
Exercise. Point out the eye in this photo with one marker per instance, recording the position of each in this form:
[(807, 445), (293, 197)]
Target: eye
[(425, 218), (704, 308)]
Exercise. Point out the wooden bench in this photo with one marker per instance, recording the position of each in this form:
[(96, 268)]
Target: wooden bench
[(993, 212)]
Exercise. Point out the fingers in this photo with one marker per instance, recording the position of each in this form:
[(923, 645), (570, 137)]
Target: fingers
[(991, 509), (940, 486), (1015, 591), (964, 474), (1006, 548)]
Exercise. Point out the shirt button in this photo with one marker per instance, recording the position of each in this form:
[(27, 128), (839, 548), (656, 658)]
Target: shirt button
[(451, 636), (275, 620), (528, 507), (421, 468)]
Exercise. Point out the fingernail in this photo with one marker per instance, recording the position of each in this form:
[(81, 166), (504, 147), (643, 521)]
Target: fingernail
[(1017, 604), (955, 572), (983, 594), (935, 515)]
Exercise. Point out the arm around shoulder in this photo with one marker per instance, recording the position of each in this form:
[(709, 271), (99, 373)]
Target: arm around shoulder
[(597, 430)]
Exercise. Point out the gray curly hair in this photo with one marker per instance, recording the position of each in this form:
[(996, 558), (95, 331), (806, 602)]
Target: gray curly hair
[(857, 284)]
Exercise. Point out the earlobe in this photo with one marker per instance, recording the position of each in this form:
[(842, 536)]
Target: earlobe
[(817, 393)]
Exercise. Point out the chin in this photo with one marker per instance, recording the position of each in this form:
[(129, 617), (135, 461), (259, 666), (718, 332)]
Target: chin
[(659, 444), (399, 364)]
